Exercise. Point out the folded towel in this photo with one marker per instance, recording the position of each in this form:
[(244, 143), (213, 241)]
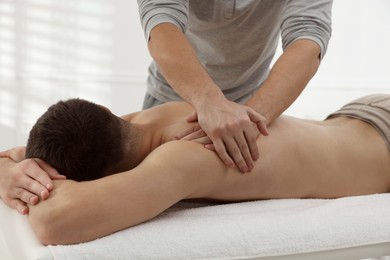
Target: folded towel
[(245, 230)]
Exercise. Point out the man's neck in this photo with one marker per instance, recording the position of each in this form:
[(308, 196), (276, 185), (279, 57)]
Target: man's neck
[(147, 138)]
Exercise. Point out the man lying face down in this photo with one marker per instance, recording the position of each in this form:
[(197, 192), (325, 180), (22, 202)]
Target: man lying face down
[(345, 155)]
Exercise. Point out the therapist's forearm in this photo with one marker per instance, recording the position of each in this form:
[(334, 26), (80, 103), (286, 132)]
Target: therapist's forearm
[(180, 66), (287, 79)]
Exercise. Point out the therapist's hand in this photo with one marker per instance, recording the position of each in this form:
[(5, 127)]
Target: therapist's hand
[(232, 128), (24, 181)]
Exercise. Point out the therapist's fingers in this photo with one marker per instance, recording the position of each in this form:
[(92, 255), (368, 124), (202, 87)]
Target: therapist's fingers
[(184, 134), (194, 135), (234, 149), (210, 147), (260, 120), (245, 161), (193, 117), (250, 136), (203, 140), (220, 149)]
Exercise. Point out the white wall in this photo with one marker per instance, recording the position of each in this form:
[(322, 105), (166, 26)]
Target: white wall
[(357, 61), (94, 49)]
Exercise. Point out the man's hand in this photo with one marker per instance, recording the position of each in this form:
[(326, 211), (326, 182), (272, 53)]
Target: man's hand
[(232, 128), (24, 182), (17, 154)]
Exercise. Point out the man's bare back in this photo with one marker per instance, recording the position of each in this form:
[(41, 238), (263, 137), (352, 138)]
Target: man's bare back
[(311, 158), (300, 159), (304, 159)]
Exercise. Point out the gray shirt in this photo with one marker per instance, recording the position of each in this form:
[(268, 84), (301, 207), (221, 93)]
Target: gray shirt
[(235, 40)]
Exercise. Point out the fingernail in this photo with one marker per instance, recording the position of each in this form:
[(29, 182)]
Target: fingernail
[(49, 186), (32, 200), (22, 210), (44, 194)]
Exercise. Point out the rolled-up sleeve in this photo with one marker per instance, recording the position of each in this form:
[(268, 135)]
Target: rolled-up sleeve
[(154, 12), (307, 19)]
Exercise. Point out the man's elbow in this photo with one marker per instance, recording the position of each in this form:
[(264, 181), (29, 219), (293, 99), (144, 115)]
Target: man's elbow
[(50, 219), (45, 228), (45, 235)]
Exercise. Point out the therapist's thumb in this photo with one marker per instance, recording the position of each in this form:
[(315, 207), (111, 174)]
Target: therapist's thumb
[(259, 120), (193, 117)]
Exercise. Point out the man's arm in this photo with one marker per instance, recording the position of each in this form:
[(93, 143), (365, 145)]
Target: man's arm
[(229, 125), (287, 79), (82, 211)]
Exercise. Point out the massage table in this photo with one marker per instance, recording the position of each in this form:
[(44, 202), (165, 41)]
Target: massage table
[(288, 229)]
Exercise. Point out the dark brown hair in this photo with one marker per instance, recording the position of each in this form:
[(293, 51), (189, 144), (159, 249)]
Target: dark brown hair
[(82, 140)]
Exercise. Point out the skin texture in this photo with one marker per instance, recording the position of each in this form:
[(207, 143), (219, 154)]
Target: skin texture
[(304, 159), (230, 125), (23, 181)]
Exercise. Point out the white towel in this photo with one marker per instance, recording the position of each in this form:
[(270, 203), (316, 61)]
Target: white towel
[(17, 240), (245, 230)]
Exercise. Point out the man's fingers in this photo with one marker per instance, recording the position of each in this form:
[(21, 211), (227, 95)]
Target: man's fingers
[(16, 154), (35, 172), (20, 206), (5, 153), (53, 173), (25, 196), (29, 186)]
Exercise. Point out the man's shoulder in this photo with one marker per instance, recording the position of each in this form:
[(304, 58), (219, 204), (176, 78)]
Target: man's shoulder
[(183, 152), (173, 106), (165, 112)]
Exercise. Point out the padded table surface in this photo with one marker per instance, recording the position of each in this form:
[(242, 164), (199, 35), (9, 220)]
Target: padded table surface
[(346, 228)]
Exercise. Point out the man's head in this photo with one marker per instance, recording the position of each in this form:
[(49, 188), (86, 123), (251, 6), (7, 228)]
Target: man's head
[(82, 140)]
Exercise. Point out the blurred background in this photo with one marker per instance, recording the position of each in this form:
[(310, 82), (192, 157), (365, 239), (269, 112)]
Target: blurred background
[(95, 49)]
